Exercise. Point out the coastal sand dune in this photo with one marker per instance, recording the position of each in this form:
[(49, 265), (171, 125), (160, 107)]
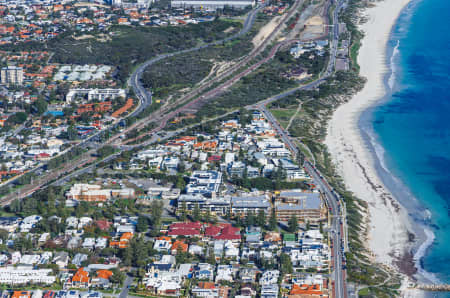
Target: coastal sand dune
[(389, 223)]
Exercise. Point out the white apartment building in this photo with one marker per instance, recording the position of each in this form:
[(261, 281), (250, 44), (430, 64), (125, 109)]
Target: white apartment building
[(24, 275), (12, 75), (212, 4), (95, 94)]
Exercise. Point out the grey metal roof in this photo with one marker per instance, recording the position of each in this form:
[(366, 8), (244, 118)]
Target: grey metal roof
[(250, 202), (300, 195)]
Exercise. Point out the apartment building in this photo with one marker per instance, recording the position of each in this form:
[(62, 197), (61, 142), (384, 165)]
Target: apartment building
[(12, 75), (306, 206), (212, 4), (95, 94)]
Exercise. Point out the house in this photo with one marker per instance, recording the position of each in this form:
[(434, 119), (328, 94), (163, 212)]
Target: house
[(248, 275), (21, 294), (228, 232), (43, 238), (248, 290), (61, 259), (29, 222), (252, 234), (204, 271), (103, 224), (196, 250), (205, 289), (101, 242), (269, 291), (224, 273), (79, 258), (71, 222), (9, 224), (185, 229), (163, 244), (306, 291), (88, 243), (122, 243), (218, 249), (269, 277), (179, 246), (231, 250), (80, 279), (272, 237), (102, 278), (163, 282)]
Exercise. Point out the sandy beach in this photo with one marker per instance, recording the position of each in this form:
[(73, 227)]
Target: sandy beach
[(388, 220)]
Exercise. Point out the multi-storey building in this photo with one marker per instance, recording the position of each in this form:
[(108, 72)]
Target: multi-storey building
[(12, 75)]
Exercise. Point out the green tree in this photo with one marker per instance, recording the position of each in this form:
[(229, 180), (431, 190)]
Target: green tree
[(196, 213), (142, 224), (118, 277), (156, 208), (285, 264), (40, 106), (72, 133), (4, 235), (250, 219), (273, 221), (181, 184), (127, 256), (293, 224), (181, 167), (261, 218), (228, 213), (183, 211)]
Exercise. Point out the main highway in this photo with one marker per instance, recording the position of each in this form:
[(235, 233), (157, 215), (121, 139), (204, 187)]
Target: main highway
[(337, 235), (165, 114), (145, 96)]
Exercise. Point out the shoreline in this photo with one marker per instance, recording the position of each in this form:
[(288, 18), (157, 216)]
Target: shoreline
[(359, 159)]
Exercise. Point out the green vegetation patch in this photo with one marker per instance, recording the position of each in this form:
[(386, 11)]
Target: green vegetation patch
[(284, 115), (131, 45)]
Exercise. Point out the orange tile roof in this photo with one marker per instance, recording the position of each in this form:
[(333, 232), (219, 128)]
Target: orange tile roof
[(21, 294), (126, 236), (105, 274), (306, 290), (186, 139), (179, 245), (206, 145), (81, 276), (166, 238), (206, 285), (123, 109)]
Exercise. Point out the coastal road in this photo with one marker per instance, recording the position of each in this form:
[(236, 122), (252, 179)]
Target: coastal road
[(128, 281), (337, 236), (331, 198)]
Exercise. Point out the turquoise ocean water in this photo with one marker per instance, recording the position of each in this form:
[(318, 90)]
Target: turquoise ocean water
[(409, 131)]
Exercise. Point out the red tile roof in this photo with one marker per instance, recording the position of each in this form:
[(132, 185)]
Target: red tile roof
[(212, 231)]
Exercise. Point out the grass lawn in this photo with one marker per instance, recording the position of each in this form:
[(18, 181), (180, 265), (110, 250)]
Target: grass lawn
[(283, 115), (364, 292)]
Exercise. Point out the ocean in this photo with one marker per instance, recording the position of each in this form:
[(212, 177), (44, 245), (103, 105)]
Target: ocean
[(409, 130)]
